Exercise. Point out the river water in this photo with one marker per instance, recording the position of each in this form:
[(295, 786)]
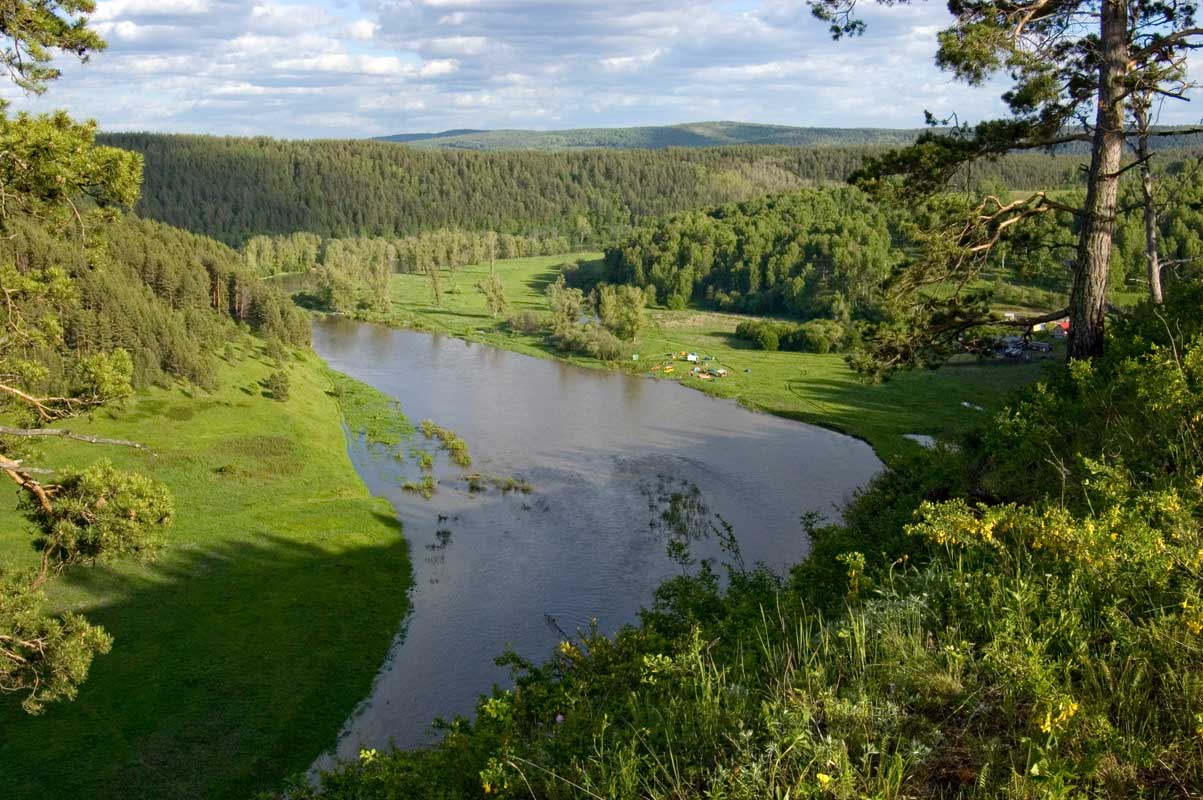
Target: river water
[(493, 570)]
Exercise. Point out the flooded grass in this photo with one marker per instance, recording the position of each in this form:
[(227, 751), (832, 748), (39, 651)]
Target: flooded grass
[(452, 443)]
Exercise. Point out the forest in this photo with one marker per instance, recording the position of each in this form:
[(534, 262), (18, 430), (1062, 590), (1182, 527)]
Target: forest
[(166, 297), (232, 189), (813, 253)]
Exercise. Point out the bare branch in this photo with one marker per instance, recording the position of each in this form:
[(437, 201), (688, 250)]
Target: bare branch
[(1163, 42), (65, 434)]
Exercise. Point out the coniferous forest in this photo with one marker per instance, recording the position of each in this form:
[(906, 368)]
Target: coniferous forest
[(232, 189)]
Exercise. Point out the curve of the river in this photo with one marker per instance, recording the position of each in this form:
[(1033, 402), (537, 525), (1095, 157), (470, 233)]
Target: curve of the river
[(490, 569)]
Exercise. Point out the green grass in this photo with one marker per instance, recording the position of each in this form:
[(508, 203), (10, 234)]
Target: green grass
[(242, 649), (819, 389)]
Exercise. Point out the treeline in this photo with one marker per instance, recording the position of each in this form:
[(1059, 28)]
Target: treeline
[(301, 252), (811, 253), (167, 297), (350, 275), (1040, 252), (233, 189)]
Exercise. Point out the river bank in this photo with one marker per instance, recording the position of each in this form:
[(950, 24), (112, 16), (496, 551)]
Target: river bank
[(240, 651), (818, 389)]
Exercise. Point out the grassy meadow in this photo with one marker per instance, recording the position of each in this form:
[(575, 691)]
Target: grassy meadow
[(240, 651), (818, 389)]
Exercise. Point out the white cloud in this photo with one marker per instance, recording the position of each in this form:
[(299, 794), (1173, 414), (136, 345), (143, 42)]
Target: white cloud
[(350, 67), (116, 9), (362, 30), (629, 63)]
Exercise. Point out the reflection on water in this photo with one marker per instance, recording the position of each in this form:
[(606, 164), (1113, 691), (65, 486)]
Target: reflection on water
[(491, 569)]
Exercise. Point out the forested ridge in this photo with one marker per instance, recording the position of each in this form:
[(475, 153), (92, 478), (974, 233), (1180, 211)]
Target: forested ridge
[(235, 188), (166, 296), (690, 134)]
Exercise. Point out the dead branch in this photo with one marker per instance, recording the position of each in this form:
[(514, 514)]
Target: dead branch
[(65, 434)]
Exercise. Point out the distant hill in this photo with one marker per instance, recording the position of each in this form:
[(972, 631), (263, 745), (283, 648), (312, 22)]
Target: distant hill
[(693, 134), (701, 134), (408, 138)]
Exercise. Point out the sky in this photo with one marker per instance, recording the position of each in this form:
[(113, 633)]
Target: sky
[(358, 68)]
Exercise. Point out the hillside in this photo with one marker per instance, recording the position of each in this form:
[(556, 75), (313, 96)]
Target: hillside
[(234, 188), (695, 134), (692, 134)]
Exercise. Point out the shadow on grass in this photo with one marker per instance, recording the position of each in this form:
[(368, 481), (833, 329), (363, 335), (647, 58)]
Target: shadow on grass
[(539, 282), (231, 668)]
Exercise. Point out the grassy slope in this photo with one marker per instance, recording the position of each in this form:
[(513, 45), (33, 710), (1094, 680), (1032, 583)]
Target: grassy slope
[(813, 388), (243, 648)]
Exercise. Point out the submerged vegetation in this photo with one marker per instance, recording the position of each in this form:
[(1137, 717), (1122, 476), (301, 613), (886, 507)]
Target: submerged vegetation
[(456, 447), (425, 487)]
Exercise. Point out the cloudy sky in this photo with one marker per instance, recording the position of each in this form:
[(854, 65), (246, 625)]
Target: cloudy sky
[(350, 68)]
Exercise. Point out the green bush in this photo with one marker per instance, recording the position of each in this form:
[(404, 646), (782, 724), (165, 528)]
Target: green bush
[(277, 386), (818, 336), (815, 336), (528, 322)]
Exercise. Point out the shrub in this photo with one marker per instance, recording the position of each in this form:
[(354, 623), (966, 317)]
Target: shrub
[(817, 336), (277, 386), (606, 346), (765, 334), (528, 322)]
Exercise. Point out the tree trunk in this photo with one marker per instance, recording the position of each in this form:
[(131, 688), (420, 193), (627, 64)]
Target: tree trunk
[(1150, 208), (1088, 302)]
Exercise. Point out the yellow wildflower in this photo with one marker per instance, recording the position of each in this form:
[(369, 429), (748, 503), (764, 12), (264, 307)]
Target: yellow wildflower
[(1065, 712)]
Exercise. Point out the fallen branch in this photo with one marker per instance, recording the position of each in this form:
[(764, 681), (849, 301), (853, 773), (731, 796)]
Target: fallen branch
[(65, 434)]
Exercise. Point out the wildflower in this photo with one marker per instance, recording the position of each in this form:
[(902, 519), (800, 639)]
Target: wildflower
[(824, 779), (559, 718), (1065, 712)]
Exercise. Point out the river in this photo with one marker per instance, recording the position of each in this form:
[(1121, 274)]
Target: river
[(493, 570)]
